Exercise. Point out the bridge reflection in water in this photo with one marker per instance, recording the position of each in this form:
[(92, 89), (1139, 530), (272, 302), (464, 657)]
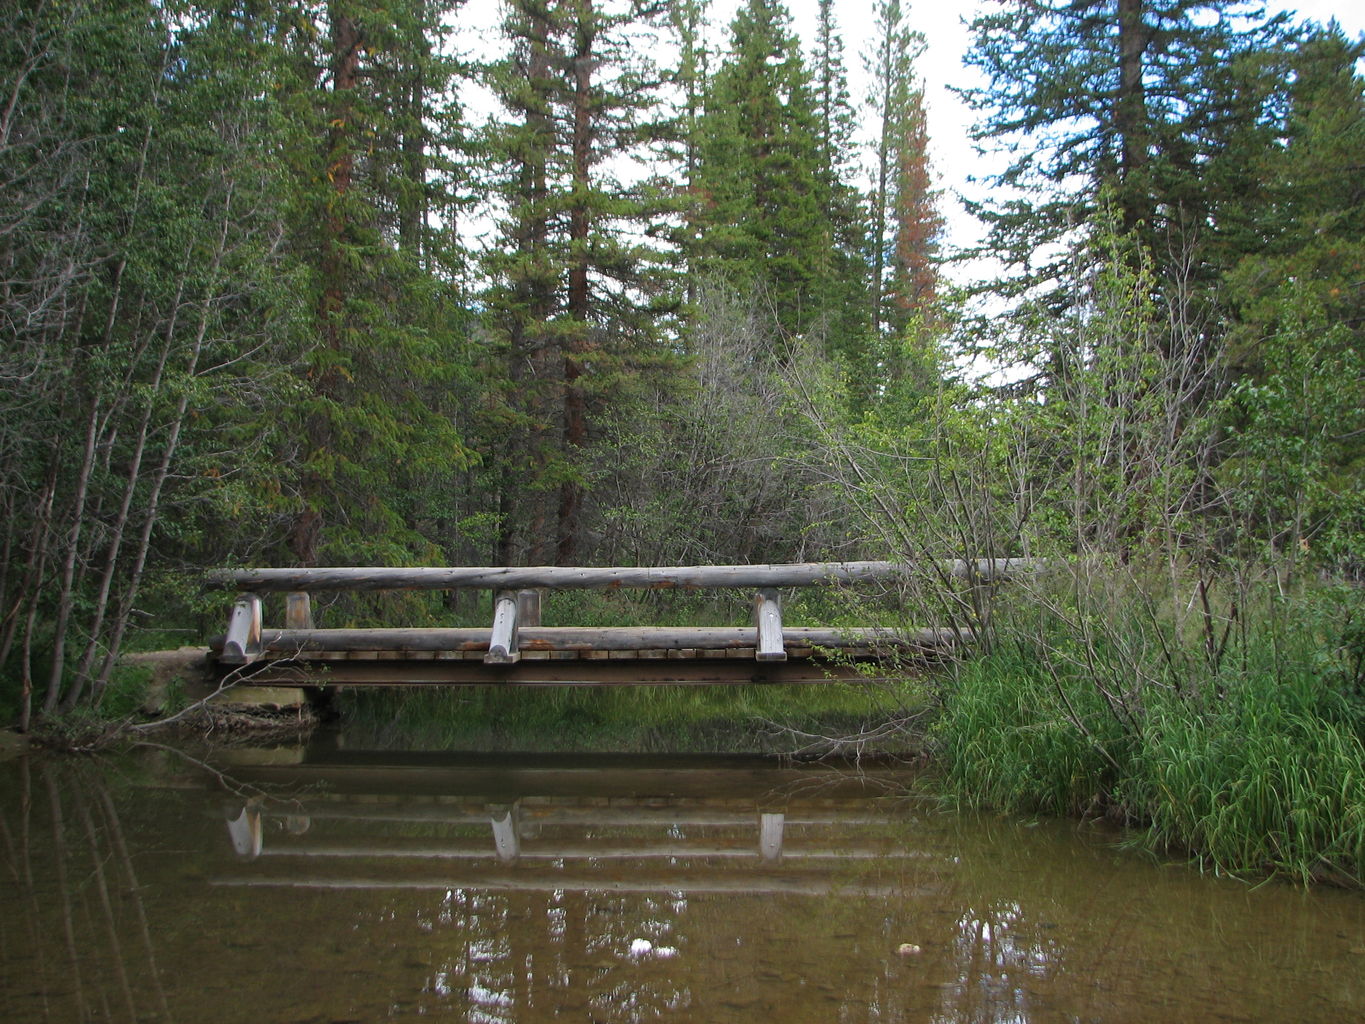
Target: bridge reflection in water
[(384, 887), (621, 889), (549, 825)]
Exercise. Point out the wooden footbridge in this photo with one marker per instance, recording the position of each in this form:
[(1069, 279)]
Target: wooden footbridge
[(516, 649)]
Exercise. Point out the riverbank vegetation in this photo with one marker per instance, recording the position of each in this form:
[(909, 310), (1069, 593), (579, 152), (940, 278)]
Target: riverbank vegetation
[(626, 285), (806, 722), (1239, 739)]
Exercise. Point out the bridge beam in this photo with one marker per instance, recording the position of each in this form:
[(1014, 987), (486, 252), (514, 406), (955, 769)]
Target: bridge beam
[(802, 574)]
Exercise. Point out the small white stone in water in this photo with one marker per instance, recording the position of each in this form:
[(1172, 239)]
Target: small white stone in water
[(908, 949), (640, 947)]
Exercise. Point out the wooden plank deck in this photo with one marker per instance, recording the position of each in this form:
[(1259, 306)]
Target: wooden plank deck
[(556, 672), (583, 656)]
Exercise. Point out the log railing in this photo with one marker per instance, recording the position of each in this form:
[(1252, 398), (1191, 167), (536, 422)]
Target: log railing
[(517, 600)]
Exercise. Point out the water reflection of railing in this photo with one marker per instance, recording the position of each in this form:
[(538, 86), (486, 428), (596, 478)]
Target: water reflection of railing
[(559, 842)]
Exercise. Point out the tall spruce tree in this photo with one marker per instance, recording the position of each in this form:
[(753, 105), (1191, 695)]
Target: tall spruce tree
[(847, 325), (918, 225), (580, 298), (383, 377), (1309, 216), (763, 191), (688, 21), (906, 222)]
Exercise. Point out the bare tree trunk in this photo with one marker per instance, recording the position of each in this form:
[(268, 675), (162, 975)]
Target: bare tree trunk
[(163, 469), (66, 593), (24, 595), (120, 526)]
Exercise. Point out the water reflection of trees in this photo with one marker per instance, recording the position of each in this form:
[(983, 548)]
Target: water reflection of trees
[(390, 905), (85, 948)]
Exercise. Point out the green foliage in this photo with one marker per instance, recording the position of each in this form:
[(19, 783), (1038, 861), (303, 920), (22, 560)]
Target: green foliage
[(580, 299), (1294, 412), (1243, 746), (127, 692), (1158, 101), (778, 719), (760, 174), (144, 214), (1296, 468), (1164, 670), (375, 436)]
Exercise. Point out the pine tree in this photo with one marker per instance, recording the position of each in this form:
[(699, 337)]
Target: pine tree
[(578, 299), (906, 224), (385, 371), (847, 325), (1139, 99), (1309, 217), (760, 173), (618, 299), (890, 66), (1297, 304), (687, 19), (522, 296), (918, 225)]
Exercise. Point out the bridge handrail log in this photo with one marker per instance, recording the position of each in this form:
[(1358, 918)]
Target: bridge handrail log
[(549, 577)]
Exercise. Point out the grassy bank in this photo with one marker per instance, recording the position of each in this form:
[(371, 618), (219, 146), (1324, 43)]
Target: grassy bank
[(802, 720), (1234, 732)]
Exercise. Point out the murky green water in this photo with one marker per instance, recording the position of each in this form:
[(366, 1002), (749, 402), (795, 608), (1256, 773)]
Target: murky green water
[(252, 887)]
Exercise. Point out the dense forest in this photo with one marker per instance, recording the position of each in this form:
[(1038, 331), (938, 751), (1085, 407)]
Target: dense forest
[(272, 295)]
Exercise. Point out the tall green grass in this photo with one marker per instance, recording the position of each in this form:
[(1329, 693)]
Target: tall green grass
[(1249, 754), (1012, 736), (777, 719), (1263, 781)]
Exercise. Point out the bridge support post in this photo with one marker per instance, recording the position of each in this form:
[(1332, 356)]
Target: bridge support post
[(242, 645), (502, 643), (528, 607), (298, 610), (768, 621), (770, 836)]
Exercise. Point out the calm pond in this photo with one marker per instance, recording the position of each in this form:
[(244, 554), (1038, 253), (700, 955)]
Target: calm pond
[(331, 885)]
